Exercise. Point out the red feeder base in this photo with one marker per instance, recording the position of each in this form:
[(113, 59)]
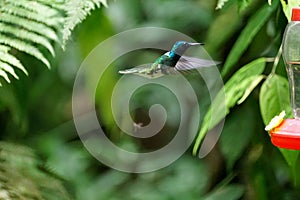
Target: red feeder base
[(287, 134)]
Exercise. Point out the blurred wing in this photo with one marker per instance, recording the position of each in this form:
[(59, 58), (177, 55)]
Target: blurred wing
[(189, 63)]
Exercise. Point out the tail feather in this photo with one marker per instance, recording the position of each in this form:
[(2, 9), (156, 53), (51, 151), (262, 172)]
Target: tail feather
[(143, 69), (128, 71)]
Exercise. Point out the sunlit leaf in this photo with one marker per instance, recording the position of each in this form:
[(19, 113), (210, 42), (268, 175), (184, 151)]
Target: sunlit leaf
[(235, 88)]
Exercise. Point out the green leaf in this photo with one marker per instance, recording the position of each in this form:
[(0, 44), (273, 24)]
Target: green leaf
[(253, 26), (274, 98), (237, 132), (236, 88)]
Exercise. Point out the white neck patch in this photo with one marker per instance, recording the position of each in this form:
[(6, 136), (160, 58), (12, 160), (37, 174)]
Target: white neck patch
[(167, 54)]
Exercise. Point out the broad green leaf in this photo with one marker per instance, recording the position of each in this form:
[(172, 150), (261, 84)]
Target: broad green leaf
[(236, 88), (274, 98), (253, 26), (237, 132), (287, 8)]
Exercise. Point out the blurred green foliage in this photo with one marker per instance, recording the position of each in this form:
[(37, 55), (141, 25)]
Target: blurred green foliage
[(36, 109)]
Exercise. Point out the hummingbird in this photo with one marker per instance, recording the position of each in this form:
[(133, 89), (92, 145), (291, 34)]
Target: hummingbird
[(171, 62)]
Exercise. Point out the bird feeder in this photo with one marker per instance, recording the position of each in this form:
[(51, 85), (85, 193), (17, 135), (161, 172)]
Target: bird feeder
[(285, 133)]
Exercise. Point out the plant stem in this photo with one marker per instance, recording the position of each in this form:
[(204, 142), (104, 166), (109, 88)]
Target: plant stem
[(276, 61)]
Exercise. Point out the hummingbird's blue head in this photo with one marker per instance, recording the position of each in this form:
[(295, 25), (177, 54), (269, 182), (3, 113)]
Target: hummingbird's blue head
[(181, 46)]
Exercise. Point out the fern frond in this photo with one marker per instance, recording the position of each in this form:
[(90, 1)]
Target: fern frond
[(21, 177), (39, 17), (8, 68), (4, 75), (30, 25), (25, 47), (77, 11), (10, 59), (27, 35), (25, 26), (34, 6)]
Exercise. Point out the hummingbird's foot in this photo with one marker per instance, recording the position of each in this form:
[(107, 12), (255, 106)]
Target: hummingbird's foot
[(137, 126), (150, 72), (165, 71)]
